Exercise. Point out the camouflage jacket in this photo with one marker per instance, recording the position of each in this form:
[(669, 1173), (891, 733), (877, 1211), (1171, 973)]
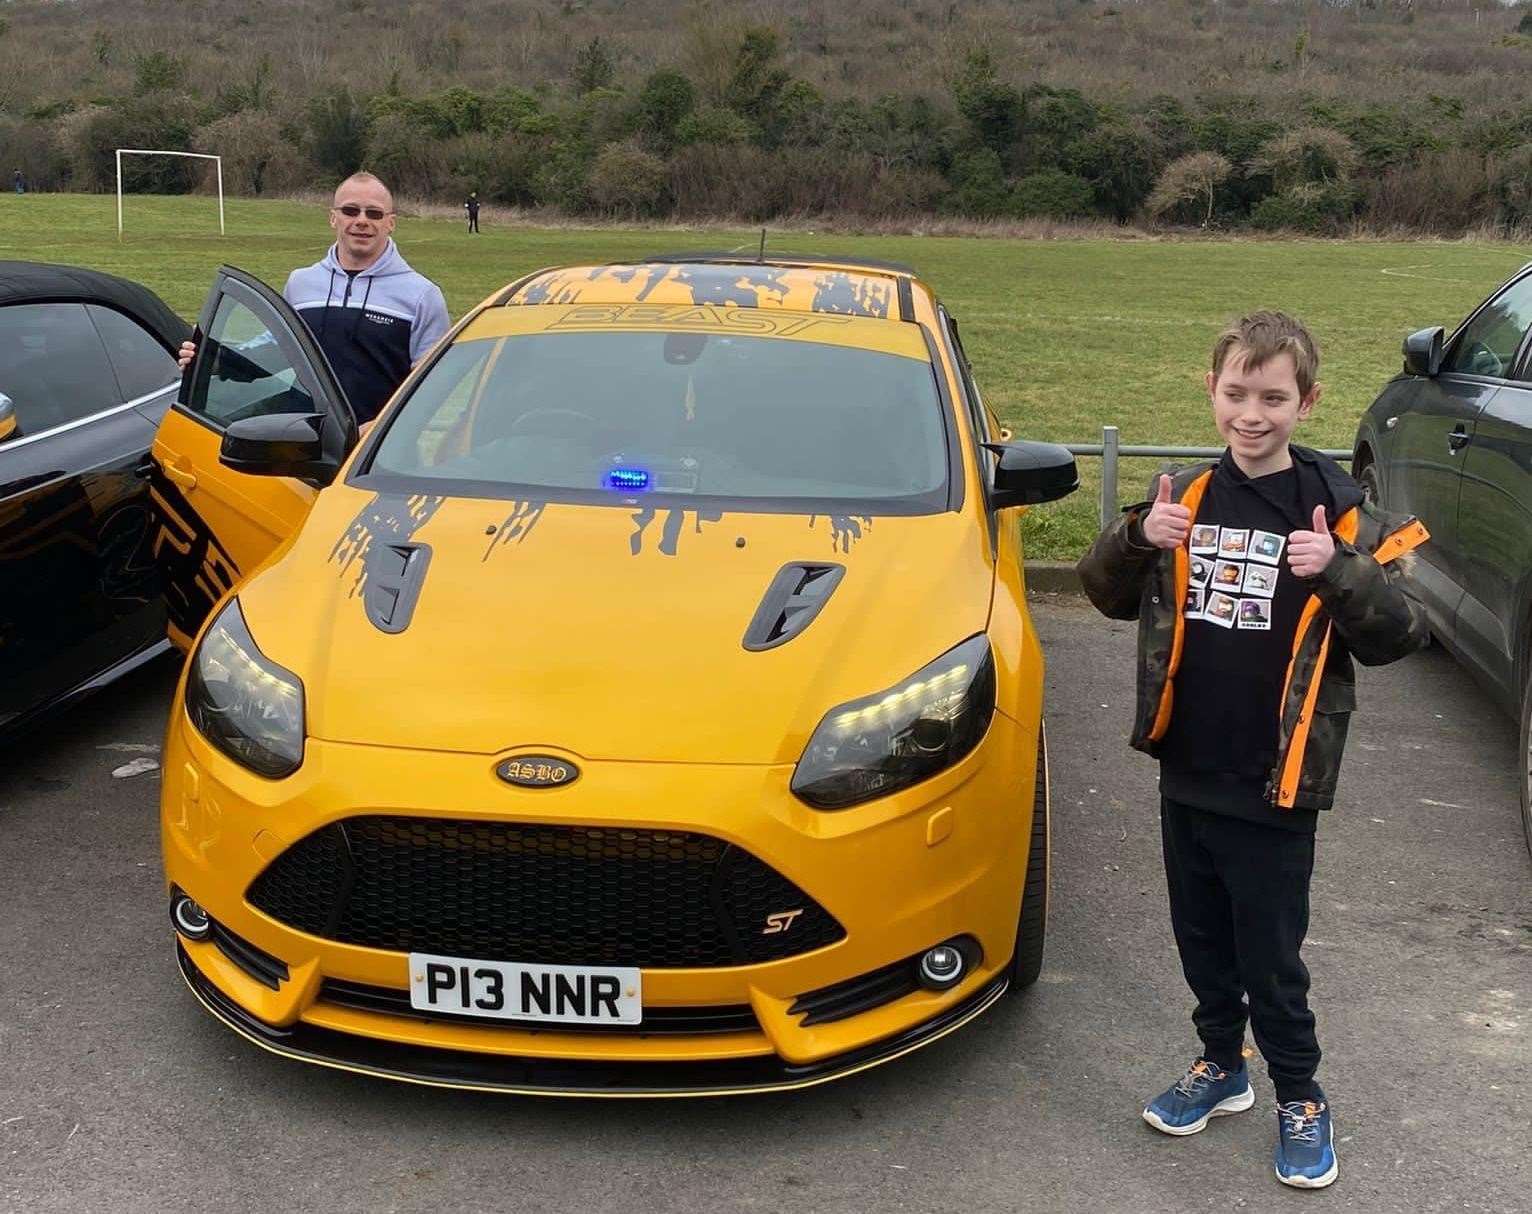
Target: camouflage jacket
[(1361, 606)]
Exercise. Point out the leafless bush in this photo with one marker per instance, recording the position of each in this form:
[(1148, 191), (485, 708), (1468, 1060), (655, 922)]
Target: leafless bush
[(1191, 181), (1308, 155), (1441, 192)]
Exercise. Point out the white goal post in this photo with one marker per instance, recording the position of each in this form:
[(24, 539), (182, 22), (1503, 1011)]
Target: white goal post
[(121, 152)]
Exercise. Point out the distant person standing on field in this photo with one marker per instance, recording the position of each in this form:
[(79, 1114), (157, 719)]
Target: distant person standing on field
[(18, 179), (372, 314), (472, 207)]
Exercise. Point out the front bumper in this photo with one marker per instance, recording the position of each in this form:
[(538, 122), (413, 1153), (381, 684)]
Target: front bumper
[(511, 1075), (941, 860)]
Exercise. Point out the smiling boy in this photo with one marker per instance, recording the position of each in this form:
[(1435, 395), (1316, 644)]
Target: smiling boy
[(1246, 705)]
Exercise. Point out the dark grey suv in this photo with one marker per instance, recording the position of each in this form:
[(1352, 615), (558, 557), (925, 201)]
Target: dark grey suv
[(1450, 441)]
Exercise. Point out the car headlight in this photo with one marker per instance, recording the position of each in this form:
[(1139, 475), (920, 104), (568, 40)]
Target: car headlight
[(881, 743), (244, 703)]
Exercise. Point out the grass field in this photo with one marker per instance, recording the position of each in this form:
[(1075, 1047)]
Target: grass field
[(1065, 335)]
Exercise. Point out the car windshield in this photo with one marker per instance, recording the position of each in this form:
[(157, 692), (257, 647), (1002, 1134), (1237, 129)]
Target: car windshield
[(778, 421)]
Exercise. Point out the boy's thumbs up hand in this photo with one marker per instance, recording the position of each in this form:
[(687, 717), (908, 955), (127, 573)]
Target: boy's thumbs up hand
[(1308, 552), (1167, 524)]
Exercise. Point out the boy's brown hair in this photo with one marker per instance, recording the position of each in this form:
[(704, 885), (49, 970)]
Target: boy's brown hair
[(1262, 336)]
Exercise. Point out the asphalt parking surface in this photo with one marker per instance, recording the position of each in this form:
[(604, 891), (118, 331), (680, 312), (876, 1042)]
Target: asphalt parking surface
[(118, 1093)]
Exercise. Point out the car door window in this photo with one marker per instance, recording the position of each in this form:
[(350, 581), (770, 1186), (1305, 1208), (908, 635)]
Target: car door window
[(1488, 343), (143, 366), (53, 366), (247, 372)]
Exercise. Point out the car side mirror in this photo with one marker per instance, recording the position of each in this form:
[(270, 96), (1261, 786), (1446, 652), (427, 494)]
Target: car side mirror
[(1423, 352), (1029, 473), (8, 422), (279, 444)]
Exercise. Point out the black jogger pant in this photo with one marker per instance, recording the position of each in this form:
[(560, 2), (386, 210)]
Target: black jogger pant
[(1239, 906)]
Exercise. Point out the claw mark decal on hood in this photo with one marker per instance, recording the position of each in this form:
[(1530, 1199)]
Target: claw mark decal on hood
[(791, 288), (517, 526), (845, 529), (390, 518), (671, 532)]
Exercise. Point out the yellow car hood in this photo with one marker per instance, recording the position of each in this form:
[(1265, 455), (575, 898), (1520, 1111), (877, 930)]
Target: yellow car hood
[(608, 632)]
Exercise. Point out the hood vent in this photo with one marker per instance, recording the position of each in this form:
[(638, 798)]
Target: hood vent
[(792, 601), (394, 577)]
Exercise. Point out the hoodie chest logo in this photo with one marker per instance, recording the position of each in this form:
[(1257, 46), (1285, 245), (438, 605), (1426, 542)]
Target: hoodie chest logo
[(378, 318)]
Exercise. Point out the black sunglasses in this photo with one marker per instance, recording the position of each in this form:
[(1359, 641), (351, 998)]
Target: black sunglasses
[(351, 211)]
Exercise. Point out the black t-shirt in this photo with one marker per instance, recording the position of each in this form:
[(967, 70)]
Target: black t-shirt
[(1241, 612)]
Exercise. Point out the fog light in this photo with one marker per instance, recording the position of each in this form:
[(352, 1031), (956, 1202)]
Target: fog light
[(189, 918), (942, 967)]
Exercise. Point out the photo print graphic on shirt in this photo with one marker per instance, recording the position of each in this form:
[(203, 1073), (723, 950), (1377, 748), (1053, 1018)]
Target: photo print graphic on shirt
[(1234, 541), (1199, 570), (1266, 546), (1192, 609), (1227, 575), (1220, 610), (1255, 614), (1205, 538), (1261, 580)]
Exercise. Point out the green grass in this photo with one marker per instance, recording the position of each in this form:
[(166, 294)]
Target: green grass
[(1065, 335)]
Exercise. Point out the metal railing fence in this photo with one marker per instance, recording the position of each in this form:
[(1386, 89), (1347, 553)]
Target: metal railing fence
[(1110, 449)]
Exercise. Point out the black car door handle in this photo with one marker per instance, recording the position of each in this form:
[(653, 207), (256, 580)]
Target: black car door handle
[(1458, 439)]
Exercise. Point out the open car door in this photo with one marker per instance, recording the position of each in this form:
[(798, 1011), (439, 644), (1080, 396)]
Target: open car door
[(257, 366)]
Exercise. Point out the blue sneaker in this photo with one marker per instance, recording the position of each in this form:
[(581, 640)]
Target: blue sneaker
[(1306, 1144), (1205, 1091)]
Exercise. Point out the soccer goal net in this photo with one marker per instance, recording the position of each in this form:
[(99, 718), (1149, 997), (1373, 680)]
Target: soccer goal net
[(217, 163)]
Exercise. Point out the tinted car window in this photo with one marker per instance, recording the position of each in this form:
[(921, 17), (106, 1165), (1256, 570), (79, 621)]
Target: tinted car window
[(142, 364), (247, 372), (1487, 344), (53, 365), (705, 416)]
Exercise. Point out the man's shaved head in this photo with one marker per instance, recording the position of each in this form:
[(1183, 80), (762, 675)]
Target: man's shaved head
[(367, 181)]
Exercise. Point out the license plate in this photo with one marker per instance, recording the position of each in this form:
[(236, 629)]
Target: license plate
[(508, 990)]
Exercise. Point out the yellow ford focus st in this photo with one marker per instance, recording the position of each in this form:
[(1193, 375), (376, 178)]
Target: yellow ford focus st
[(645, 705)]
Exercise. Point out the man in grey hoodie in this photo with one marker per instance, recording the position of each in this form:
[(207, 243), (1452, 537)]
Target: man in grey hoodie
[(373, 315)]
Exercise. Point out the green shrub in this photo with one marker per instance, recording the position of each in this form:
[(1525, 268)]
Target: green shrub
[(712, 124), (626, 180), (1311, 208), (978, 184), (1051, 194), (666, 98)]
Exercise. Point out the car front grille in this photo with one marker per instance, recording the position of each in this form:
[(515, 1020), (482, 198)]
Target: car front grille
[(550, 895)]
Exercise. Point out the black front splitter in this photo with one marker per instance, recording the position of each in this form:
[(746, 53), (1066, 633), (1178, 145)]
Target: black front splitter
[(514, 1075)]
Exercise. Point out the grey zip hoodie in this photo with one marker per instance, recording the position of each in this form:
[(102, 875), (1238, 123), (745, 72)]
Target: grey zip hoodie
[(373, 325)]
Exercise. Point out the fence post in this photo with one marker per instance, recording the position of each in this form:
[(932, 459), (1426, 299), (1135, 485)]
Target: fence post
[(1108, 473)]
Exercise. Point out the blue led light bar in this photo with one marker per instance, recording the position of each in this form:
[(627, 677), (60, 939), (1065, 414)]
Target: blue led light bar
[(627, 479)]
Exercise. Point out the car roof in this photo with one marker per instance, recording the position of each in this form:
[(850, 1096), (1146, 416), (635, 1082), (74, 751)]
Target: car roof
[(39, 282), (783, 282)]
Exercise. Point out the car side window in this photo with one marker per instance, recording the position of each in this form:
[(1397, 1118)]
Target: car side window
[(143, 365), (1488, 343), (245, 371), (53, 366)]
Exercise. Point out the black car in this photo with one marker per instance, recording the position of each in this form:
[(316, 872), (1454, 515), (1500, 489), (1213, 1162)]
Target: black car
[(87, 369), (1450, 441)]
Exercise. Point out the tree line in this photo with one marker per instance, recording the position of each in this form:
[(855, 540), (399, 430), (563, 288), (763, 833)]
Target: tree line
[(739, 135)]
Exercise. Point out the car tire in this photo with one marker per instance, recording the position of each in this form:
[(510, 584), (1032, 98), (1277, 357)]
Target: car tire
[(1526, 761), (1032, 925), (1372, 488)]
